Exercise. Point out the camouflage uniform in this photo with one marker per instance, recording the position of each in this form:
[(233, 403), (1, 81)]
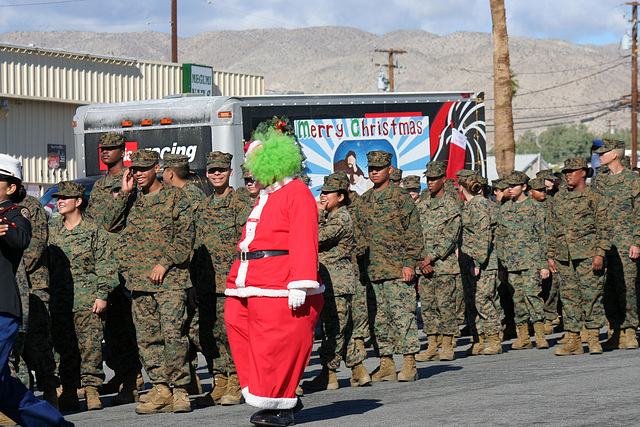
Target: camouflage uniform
[(520, 243), (578, 231), (396, 176), (81, 271), (388, 234), (219, 222), (336, 245), (622, 193), (158, 229)]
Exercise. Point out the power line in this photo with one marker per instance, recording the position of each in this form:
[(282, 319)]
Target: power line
[(41, 3), (548, 72)]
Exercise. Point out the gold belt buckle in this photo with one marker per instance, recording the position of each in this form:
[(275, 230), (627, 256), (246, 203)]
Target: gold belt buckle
[(243, 256)]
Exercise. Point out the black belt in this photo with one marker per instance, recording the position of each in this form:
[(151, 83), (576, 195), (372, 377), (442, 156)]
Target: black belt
[(245, 256)]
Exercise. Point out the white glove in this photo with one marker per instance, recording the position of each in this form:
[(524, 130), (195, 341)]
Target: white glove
[(296, 298)]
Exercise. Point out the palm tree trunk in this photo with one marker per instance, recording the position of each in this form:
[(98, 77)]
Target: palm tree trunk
[(505, 146)]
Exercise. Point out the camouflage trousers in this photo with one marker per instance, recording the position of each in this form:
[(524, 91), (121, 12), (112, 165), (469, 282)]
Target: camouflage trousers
[(483, 307), (395, 327), (360, 311), (38, 348), (620, 303), (160, 319), (77, 338), (551, 296), (461, 304), (438, 301), (524, 286), (120, 334), (581, 293), (337, 327)]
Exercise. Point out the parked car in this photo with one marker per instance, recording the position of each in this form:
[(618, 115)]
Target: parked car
[(49, 202)]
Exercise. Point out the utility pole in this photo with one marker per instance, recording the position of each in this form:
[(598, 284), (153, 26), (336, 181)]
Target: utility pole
[(390, 65), (174, 30), (634, 85)]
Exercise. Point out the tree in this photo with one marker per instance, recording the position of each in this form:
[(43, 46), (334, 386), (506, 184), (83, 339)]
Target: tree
[(503, 91), (558, 143)]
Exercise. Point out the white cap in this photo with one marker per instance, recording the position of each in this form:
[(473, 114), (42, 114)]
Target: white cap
[(10, 166)]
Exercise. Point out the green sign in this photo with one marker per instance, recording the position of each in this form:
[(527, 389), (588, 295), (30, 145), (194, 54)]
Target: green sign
[(197, 79)]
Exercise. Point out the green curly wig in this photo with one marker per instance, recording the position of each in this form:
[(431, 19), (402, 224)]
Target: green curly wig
[(278, 158)]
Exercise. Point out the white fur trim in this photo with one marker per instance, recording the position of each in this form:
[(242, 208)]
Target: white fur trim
[(253, 291), (303, 284), (276, 185), (250, 233), (269, 402)]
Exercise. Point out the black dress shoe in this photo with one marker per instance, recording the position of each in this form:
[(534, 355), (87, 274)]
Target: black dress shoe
[(273, 417)]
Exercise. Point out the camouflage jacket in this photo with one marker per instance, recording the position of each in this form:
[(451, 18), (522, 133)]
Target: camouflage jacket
[(521, 235), (478, 223), (101, 197), (36, 260), (157, 229), (219, 223), (81, 266), (336, 243), (388, 232), (449, 188), (440, 219), (579, 227), (622, 195), (195, 195)]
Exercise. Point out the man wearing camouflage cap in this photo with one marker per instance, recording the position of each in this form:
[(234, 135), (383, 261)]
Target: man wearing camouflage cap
[(388, 234), (440, 220), (249, 193), (396, 176), (621, 190), (336, 244), (119, 331), (578, 241), (159, 235), (412, 184), (219, 222)]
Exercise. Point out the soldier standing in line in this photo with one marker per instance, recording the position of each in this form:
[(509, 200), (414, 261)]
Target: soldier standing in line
[(500, 191), (119, 331), (395, 176), (412, 184), (578, 242), (159, 235), (389, 237), (82, 275), (249, 192), (336, 244), (621, 190), (219, 221), (521, 242), (440, 220)]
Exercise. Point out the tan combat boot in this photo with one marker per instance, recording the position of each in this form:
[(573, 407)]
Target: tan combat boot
[(541, 339), (408, 371), (617, 340), (431, 353), (140, 382), (326, 380), (494, 345), (631, 341), (161, 401), (359, 375), (6, 421), (360, 346), (477, 346), (181, 402), (594, 341), (128, 393), (548, 327), (68, 399), (213, 397), (564, 339), (447, 348), (523, 342), (386, 371), (232, 392), (93, 398), (584, 335), (299, 391), (573, 347)]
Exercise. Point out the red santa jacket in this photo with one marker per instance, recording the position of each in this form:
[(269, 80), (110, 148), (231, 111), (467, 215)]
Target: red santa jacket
[(284, 218)]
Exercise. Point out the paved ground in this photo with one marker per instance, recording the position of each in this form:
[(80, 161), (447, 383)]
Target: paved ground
[(518, 388)]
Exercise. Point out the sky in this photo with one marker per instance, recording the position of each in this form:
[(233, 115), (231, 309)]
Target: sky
[(579, 21)]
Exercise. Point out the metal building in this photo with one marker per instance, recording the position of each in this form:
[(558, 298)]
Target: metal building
[(40, 90)]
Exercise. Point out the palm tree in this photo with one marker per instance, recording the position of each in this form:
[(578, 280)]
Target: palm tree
[(505, 147)]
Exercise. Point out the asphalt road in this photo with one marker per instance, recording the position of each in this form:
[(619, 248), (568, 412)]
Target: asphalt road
[(517, 388)]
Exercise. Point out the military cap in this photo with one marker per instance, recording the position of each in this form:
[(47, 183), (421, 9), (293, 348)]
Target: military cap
[(396, 175), (245, 172), (378, 158), (464, 175), (144, 158), (537, 184), (500, 184), (10, 166), (335, 182), (69, 189), (610, 144), (111, 140), (481, 179), (517, 178), (574, 164), (411, 182), (175, 160), (435, 169), (218, 159), (546, 174)]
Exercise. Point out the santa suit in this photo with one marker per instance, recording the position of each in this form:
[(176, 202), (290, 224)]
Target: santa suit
[(270, 342)]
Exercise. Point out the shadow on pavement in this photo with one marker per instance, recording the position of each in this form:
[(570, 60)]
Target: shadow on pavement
[(432, 370), (337, 410)]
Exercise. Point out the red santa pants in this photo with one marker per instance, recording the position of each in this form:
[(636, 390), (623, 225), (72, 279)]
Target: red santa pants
[(271, 345)]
